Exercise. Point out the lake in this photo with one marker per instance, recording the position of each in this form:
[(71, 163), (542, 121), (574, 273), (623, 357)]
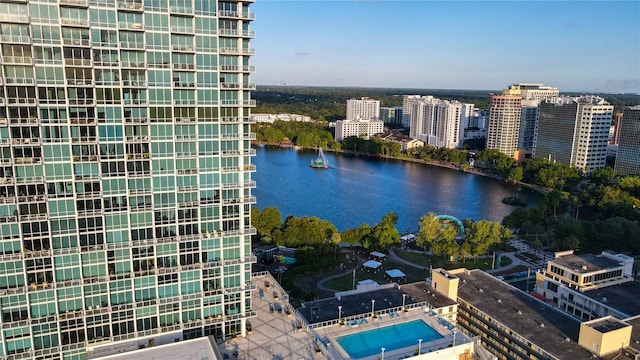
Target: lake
[(356, 190)]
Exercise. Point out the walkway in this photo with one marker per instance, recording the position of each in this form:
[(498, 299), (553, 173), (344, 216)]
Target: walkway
[(321, 282)]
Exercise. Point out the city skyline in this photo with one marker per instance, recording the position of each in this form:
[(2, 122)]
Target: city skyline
[(460, 45)]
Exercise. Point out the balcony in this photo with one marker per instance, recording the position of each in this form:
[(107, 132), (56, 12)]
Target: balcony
[(21, 60), (77, 3), (135, 102), (236, 33), (137, 139), (130, 6), (139, 120), (76, 42), (19, 80), (84, 139), (182, 48), (235, 51), (182, 29), (134, 26), (187, 102), (20, 121), (75, 22), (181, 10), (15, 39), (243, 15), (237, 68), (134, 83), (132, 45), (21, 101), (184, 66), (184, 84), (82, 121), (14, 18), (80, 82), (78, 62), (134, 64), (27, 141), (185, 119)]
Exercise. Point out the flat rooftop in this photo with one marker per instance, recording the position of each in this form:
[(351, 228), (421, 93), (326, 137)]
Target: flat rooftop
[(586, 263), (531, 318), (623, 297), (203, 348), (360, 303), (606, 324), (274, 335)]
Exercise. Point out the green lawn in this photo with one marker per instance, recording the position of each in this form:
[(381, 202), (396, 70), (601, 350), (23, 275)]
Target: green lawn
[(441, 262), (346, 282)]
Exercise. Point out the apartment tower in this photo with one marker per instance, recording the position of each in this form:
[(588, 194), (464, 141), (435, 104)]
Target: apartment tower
[(504, 123), (574, 131), (628, 130), (363, 109), (125, 173)]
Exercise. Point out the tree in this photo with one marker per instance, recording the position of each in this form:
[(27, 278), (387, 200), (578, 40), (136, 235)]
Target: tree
[(384, 234), (445, 242), (266, 221), (481, 235), (515, 175), (357, 235), (429, 228)]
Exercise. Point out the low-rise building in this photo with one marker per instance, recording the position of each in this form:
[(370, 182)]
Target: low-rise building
[(591, 286), (360, 128)]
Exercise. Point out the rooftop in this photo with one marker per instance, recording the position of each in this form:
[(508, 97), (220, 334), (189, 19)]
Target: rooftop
[(531, 318), (623, 297), (360, 303), (586, 263), (607, 324), (203, 348)]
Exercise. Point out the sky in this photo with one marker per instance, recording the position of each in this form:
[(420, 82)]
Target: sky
[(589, 46)]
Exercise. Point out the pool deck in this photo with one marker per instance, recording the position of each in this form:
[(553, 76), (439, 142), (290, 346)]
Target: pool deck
[(275, 335), (337, 353)]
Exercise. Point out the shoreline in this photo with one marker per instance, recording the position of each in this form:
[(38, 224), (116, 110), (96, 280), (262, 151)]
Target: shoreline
[(533, 187)]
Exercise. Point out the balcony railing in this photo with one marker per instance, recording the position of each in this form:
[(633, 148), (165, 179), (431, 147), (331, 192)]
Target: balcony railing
[(17, 60), (81, 3), (78, 62), (75, 22), (15, 39), (127, 5), (76, 42)]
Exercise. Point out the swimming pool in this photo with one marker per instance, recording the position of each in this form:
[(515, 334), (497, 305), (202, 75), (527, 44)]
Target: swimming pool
[(392, 337)]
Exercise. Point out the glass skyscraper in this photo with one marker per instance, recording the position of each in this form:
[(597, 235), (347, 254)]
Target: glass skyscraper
[(125, 173)]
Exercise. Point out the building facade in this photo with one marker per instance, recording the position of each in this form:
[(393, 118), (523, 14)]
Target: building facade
[(363, 109), (628, 140), (574, 131), (591, 286), (365, 129), (125, 173), (391, 115), (504, 123), (439, 123)]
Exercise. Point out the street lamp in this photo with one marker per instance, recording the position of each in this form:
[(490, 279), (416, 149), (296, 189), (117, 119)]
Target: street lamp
[(382, 355), (373, 302), (404, 296), (454, 336), (339, 313), (419, 346)]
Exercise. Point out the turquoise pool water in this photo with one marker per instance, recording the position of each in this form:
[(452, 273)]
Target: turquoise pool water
[(392, 337), (289, 260)]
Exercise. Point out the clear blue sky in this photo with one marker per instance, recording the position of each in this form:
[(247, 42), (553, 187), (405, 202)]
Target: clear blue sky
[(573, 45)]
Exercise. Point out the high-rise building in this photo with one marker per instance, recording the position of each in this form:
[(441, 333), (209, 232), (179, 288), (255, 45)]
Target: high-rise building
[(439, 123), (407, 105), (364, 129), (531, 95), (628, 130), (531, 91), (363, 109), (504, 123), (391, 115), (574, 131), (125, 173)]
